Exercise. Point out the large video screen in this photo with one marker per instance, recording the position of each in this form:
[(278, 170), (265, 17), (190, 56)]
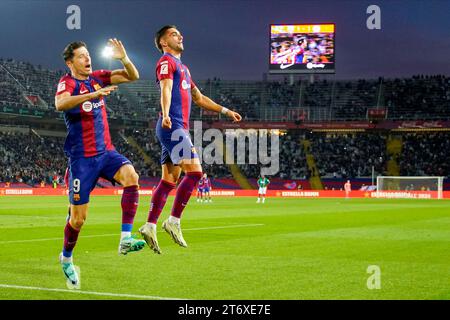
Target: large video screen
[(302, 48)]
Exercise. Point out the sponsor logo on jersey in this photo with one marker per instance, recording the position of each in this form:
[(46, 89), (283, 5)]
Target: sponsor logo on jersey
[(61, 86), (185, 85), (88, 106), (164, 67)]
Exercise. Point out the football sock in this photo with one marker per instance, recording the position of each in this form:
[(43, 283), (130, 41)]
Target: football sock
[(70, 240), (184, 192), (159, 199), (129, 203)]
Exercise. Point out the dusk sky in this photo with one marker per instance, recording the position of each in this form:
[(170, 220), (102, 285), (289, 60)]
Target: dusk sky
[(230, 38)]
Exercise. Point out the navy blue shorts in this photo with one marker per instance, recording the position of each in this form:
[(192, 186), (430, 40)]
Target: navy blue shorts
[(205, 189), (84, 173), (176, 144)]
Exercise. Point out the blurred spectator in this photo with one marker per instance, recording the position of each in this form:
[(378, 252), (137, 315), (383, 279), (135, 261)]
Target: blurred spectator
[(347, 156), (425, 154)]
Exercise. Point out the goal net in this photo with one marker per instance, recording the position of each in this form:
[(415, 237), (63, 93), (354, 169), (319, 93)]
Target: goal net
[(409, 187)]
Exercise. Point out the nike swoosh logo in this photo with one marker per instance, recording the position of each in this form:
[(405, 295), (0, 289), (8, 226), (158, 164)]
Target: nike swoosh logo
[(284, 66), (83, 92)]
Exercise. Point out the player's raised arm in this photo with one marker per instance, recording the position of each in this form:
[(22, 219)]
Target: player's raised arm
[(166, 98), (130, 73), (206, 103)]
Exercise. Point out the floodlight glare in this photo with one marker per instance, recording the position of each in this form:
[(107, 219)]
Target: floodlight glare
[(107, 52)]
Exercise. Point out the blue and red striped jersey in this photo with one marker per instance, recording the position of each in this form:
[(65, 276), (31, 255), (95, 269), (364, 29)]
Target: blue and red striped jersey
[(87, 124), (170, 67)]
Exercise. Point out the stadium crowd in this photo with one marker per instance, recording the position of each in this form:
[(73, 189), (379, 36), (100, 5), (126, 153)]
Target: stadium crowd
[(354, 97), (420, 97), (417, 97), (19, 79), (349, 155), (292, 160), (425, 154), (30, 79), (247, 107), (29, 159), (10, 94)]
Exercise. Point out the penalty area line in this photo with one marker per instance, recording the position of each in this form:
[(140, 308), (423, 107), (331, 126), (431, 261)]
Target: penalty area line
[(108, 294), (116, 234)]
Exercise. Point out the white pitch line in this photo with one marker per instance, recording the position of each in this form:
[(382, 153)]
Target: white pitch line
[(225, 227), (116, 234), (108, 294)]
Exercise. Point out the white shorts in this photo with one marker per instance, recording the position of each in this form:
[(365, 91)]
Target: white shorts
[(262, 190)]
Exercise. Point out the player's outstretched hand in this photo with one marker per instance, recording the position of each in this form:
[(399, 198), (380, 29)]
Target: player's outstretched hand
[(118, 50), (166, 123), (236, 117), (105, 91)]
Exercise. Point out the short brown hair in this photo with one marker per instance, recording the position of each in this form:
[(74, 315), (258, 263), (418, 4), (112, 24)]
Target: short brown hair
[(159, 35), (70, 48)]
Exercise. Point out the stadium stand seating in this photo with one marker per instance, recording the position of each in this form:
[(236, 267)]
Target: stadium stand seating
[(349, 155), (28, 159), (418, 97), (425, 154)]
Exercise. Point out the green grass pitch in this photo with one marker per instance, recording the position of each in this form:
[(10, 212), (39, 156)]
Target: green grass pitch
[(283, 249)]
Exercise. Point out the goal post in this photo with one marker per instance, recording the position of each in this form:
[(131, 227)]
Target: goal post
[(410, 187)]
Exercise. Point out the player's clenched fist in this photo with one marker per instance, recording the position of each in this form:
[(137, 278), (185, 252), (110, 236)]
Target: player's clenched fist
[(236, 117), (166, 123)]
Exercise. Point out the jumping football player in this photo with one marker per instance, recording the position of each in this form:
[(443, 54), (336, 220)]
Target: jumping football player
[(80, 95), (172, 130)]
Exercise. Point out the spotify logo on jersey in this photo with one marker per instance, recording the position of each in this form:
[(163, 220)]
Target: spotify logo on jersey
[(185, 85), (88, 106)]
